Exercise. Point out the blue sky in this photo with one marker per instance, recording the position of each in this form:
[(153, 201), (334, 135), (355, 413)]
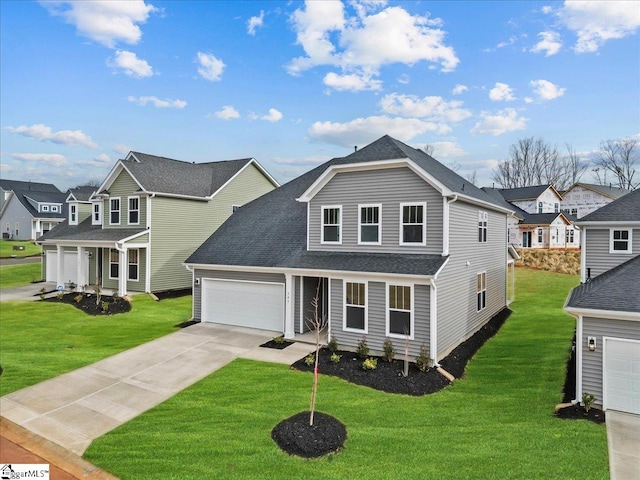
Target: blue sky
[(294, 84)]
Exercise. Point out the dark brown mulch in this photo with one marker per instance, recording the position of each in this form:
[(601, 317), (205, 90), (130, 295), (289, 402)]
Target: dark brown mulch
[(277, 345), (578, 412), (173, 293), (388, 376), (88, 303), (295, 436), (186, 323)]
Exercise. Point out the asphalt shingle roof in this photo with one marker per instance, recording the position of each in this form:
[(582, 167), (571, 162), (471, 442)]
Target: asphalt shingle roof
[(624, 209), (617, 290), (6, 184), (608, 190), (87, 232), (539, 218), (523, 193), (82, 194)]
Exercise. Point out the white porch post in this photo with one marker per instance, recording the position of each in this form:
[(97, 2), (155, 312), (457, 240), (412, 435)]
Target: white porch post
[(80, 269), (122, 272), (60, 266), (289, 331)]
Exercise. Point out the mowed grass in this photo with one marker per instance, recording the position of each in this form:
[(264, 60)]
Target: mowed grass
[(20, 274), (40, 340), (30, 248), (497, 423)]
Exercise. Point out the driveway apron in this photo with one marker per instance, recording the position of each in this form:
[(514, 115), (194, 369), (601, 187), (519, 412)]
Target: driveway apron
[(623, 438), (77, 407)]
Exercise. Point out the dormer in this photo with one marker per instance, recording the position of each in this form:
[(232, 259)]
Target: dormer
[(78, 200)]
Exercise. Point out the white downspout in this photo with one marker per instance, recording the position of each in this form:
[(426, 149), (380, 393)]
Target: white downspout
[(433, 320), (147, 280), (578, 398), (445, 223)]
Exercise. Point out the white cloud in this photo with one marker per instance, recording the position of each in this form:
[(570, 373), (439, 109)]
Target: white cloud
[(102, 158), (404, 79), (4, 168), (130, 64), (273, 116), (157, 102), (501, 92), (550, 44), (595, 22), (353, 82), (433, 107), (255, 22), (106, 21), (53, 159), (459, 89), (227, 113), (210, 68), (63, 137), (101, 161), (506, 120), (121, 148), (362, 131), (546, 90), (447, 150)]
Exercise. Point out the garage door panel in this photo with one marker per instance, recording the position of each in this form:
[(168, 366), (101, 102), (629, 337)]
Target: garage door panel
[(621, 375), (70, 267)]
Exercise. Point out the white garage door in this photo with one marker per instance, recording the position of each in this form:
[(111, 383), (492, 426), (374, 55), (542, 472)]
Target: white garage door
[(621, 375), (245, 304), (70, 267)]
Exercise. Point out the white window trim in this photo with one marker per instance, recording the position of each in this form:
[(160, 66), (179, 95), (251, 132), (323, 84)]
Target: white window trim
[(412, 311), (119, 210), (344, 306), (93, 213), (112, 263), (45, 208), (379, 224), (129, 210), (424, 224), (54, 208), (322, 225), (629, 241), (73, 214), (485, 291), (138, 264), (234, 208), (483, 217)]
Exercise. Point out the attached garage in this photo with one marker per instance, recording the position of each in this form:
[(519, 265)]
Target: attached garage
[(70, 266), (621, 375), (244, 303)]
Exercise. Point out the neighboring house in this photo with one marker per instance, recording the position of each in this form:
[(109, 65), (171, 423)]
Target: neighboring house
[(30, 209), (145, 219), (607, 306), (394, 243), (583, 198)]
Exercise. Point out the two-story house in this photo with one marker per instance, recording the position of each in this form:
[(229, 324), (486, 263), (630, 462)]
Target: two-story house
[(30, 209), (607, 306), (145, 219), (583, 198), (395, 244)]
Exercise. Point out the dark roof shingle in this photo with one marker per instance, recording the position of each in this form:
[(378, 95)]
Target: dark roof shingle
[(624, 209)]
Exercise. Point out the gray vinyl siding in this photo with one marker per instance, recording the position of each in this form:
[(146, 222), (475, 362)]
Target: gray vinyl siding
[(376, 318), (228, 275), (598, 258), (389, 187), (132, 285), (14, 213), (592, 361), (124, 187), (458, 317)]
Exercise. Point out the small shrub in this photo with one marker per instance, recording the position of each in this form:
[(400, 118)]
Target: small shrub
[(42, 292), (104, 305), (423, 362), (370, 364), (78, 298), (60, 295), (279, 339), (335, 358), (388, 352), (333, 345), (587, 401), (363, 349), (310, 359)]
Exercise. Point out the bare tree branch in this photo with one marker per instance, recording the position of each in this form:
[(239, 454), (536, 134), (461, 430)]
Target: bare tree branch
[(618, 157)]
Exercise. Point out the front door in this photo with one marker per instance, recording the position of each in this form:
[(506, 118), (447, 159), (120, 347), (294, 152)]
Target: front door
[(526, 239)]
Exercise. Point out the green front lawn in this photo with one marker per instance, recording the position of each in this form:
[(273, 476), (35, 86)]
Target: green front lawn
[(30, 248), (19, 274), (40, 340), (497, 423)]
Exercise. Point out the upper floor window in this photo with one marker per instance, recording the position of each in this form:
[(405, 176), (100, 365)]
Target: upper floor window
[(413, 224), (483, 219), (399, 311), (482, 291), (620, 241), (556, 207), (331, 224), (355, 306), (540, 207), (54, 208), (73, 214), (369, 228), (114, 211), (574, 211), (97, 213), (134, 210), (45, 208)]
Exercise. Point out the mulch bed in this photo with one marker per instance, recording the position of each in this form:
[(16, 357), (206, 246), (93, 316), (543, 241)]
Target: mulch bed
[(578, 412), (183, 292), (88, 303), (295, 436), (388, 376), (281, 345)]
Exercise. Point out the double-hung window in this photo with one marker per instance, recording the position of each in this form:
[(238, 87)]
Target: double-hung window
[(570, 235), (399, 311), (369, 228), (540, 207), (114, 211), (73, 214), (482, 291), (133, 257), (413, 223), (620, 241), (540, 236), (355, 307), (114, 263), (97, 213), (483, 220), (134, 210), (331, 224), (556, 207)]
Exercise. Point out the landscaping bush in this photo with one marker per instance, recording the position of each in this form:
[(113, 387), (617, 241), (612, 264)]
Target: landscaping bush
[(558, 261)]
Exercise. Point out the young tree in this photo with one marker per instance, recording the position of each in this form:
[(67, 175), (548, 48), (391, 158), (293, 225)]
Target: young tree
[(317, 324), (618, 158)]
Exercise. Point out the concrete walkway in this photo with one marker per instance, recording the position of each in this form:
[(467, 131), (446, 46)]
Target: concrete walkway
[(75, 408), (623, 438)]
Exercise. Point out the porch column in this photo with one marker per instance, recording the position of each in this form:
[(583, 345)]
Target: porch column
[(289, 331), (80, 272), (122, 272), (60, 266)]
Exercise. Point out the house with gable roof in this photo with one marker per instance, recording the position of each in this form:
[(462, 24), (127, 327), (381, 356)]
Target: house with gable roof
[(607, 306), (149, 214), (392, 242), (583, 198)]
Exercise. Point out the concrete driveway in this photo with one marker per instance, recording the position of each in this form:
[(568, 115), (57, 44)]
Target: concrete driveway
[(73, 409), (623, 438), (30, 292)]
